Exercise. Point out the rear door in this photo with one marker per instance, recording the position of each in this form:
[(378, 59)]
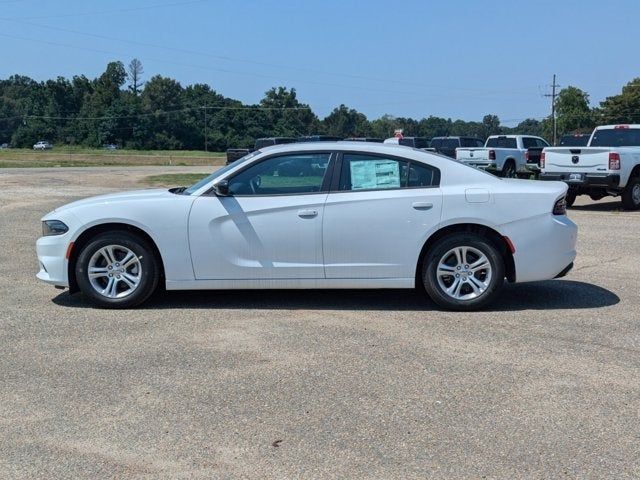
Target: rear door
[(377, 215)]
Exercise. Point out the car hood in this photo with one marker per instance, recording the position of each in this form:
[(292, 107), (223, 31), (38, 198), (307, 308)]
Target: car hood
[(110, 198)]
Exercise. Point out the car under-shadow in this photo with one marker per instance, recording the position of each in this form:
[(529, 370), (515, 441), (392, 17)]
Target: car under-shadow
[(546, 295), (610, 206)]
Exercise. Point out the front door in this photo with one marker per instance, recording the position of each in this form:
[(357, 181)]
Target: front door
[(270, 225)]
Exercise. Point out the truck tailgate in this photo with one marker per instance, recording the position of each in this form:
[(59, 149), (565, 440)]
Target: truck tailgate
[(472, 155), (576, 159)]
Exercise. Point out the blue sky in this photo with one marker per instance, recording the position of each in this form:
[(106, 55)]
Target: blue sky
[(455, 58)]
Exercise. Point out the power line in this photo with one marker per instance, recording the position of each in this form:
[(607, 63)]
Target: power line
[(108, 12), (260, 63)]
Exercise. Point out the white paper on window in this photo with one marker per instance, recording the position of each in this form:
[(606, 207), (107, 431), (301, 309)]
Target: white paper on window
[(372, 174)]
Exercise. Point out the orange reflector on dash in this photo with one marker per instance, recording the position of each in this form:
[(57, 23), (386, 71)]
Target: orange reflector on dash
[(510, 244), (69, 250)]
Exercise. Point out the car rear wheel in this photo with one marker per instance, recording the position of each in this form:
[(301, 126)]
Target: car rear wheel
[(631, 194), (117, 270), (463, 272)]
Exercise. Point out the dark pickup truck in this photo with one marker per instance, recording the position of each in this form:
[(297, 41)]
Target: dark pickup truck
[(447, 145), (534, 148)]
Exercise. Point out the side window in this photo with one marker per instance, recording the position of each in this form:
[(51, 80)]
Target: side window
[(282, 175), (369, 172), (529, 142), (479, 143), (542, 143)]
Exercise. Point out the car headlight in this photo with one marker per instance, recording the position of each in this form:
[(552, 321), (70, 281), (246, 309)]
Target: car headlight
[(53, 227)]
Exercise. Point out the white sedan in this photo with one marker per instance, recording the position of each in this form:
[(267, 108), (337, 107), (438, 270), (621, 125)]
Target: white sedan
[(316, 215)]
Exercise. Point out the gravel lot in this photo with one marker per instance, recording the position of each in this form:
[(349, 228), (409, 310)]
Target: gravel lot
[(355, 384)]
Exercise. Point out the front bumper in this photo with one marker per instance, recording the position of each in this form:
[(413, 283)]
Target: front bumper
[(607, 180), (52, 259)]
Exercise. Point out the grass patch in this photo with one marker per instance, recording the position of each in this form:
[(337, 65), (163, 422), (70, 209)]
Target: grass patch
[(174, 179), (84, 157)]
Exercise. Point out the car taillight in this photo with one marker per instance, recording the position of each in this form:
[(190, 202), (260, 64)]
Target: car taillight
[(614, 161), (526, 156), (542, 159), (560, 208), (492, 154)]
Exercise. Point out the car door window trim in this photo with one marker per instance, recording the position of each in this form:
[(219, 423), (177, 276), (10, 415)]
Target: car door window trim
[(339, 164)]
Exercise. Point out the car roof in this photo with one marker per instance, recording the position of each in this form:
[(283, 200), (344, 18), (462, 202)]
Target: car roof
[(365, 147)]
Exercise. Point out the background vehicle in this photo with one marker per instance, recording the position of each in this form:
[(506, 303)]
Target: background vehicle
[(269, 141), (234, 154), (111, 146), (414, 142), (447, 145), (608, 166), (316, 215), (42, 145), (318, 138), (364, 139), (4, 146), (574, 140), (506, 155)]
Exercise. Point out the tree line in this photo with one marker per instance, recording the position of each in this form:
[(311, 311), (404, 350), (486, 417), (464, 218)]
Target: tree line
[(118, 107)]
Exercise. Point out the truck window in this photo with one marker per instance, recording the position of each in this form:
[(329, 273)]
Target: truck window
[(450, 143), (502, 142), (468, 142), (529, 142), (616, 137)]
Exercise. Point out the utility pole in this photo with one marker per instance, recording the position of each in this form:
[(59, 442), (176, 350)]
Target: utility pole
[(206, 148), (553, 96)]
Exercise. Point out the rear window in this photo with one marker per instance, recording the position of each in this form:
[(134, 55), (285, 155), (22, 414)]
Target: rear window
[(502, 142), (470, 142), (574, 140), (617, 137)]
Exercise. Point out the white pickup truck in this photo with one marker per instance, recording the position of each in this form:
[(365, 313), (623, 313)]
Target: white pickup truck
[(608, 165), (507, 155)]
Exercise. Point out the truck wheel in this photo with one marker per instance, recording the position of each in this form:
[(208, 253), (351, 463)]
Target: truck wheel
[(631, 194), (509, 170), (571, 198)]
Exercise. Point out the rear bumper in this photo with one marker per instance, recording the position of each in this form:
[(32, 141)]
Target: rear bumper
[(545, 246), (610, 180), (533, 167)]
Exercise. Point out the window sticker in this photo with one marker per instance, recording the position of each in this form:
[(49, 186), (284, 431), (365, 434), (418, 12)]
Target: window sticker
[(372, 174)]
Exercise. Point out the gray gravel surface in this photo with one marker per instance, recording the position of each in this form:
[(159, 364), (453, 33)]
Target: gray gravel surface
[(295, 384)]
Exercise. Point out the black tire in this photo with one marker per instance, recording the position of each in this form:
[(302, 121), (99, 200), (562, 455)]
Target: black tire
[(509, 170), (433, 286), (631, 194), (570, 199), (146, 262)]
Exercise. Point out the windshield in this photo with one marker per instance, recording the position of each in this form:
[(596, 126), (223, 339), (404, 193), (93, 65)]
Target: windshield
[(197, 186), (616, 137)]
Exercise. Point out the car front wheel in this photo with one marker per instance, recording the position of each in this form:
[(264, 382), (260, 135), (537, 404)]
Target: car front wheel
[(463, 272), (117, 270)]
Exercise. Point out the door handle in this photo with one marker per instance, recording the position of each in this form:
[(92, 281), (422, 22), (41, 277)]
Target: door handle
[(422, 205), (307, 213)]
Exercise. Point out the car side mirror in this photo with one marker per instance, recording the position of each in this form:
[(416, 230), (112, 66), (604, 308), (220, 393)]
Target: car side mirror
[(221, 188)]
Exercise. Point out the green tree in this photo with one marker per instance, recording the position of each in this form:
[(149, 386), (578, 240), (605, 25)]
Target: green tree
[(346, 122), (622, 108), (573, 113)]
